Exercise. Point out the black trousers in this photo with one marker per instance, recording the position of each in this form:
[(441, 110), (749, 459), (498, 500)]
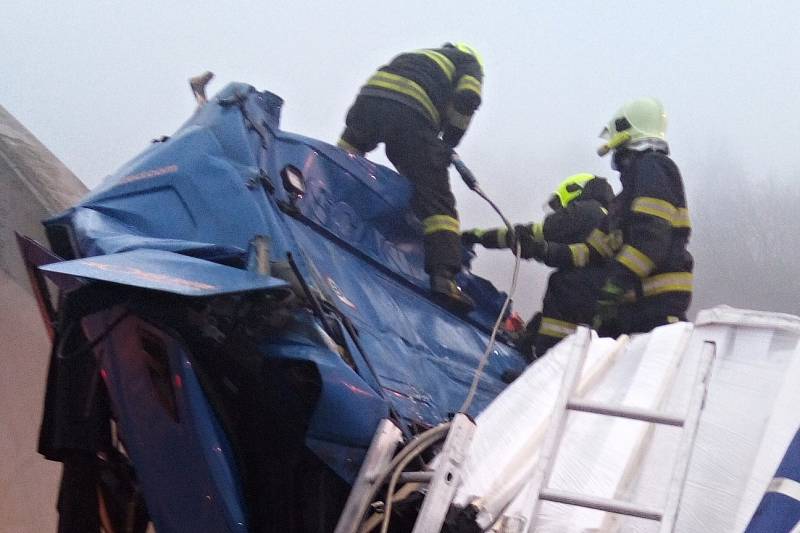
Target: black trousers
[(414, 148), (648, 313), (568, 302), (534, 342)]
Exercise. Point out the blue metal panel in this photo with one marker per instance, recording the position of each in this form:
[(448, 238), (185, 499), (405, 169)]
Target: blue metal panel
[(183, 462), (779, 510), (167, 271), (425, 357), (348, 410)]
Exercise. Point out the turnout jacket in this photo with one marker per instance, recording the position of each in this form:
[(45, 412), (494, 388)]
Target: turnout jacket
[(565, 233), (651, 219), (561, 241), (442, 84)]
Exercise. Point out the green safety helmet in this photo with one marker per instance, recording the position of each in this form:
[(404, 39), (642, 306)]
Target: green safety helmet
[(643, 118), (467, 49), (569, 189)]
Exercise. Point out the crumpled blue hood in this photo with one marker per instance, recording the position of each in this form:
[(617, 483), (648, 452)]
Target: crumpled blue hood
[(219, 181)]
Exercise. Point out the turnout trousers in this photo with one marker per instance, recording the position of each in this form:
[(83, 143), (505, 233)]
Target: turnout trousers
[(648, 313), (415, 149), (568, 302)]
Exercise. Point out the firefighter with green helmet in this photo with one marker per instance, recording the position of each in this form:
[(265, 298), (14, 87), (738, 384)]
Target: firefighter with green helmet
[(649, 281), (419, 105), (563, 240)]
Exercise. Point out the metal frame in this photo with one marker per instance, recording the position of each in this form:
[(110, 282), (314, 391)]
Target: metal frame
[(379, 455), (690, 425), (447, 476), (442, 482), (553, 437)]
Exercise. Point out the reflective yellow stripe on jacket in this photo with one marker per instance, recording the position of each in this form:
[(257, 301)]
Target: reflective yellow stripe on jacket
[(580, 254), (636, 261), (681, 219), (468, 83), (442, 60), (655, 207), (537, 229), (677, 217), (438, 223), (502, 237), (553, 327), (667, 282), (600, 241), (399, 84)]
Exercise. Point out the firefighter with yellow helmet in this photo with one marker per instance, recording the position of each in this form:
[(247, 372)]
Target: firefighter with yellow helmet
[(649, 281), (563, 240), (419, 105)]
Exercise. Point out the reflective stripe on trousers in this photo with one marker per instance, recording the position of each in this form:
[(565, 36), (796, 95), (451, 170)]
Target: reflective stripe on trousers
[(436, 223), (552, 327)]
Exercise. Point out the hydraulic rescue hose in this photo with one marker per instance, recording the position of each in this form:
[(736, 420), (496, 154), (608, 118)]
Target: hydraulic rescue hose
[(415, 446), (472, 183), (430, 437)]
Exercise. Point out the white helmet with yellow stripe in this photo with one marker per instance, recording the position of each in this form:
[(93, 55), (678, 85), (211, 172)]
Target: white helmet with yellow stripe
[(643, 119)]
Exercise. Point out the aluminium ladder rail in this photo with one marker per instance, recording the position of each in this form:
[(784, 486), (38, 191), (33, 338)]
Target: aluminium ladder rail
[(442, 482), (565, 402), (378, 457), (447, 476)]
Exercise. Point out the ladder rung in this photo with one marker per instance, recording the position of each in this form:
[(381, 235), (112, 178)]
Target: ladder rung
[(645, 415), (602, 504)]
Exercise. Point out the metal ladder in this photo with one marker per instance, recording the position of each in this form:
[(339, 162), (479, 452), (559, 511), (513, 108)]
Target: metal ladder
[(566, 402)]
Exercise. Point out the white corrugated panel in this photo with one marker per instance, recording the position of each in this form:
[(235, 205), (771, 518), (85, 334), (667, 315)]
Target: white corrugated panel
[(749, 419)]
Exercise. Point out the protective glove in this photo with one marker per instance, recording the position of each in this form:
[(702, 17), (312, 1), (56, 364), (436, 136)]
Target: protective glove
[(471, 237), (522, 233), (606, 310), (534, 250)]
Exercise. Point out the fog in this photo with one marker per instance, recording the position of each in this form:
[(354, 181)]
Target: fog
[(96, 81)]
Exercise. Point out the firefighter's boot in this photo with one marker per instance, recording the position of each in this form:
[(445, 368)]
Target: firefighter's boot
[(447, 292)]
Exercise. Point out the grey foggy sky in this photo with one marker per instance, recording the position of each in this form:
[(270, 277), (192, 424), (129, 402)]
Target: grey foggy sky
[(95, 81)]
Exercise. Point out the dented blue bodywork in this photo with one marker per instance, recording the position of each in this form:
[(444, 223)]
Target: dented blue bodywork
[(174, 215)]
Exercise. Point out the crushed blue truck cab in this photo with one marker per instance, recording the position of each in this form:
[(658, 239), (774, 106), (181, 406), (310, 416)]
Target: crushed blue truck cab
[(216, 375)]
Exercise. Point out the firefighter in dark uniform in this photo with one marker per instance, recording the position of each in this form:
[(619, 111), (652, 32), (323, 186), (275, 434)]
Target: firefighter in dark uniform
[(420, 105), (564, 240), (649, 282)]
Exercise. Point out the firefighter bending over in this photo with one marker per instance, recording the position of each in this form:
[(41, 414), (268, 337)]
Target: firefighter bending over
[(649, 280), (573, 240), (407, 105)]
